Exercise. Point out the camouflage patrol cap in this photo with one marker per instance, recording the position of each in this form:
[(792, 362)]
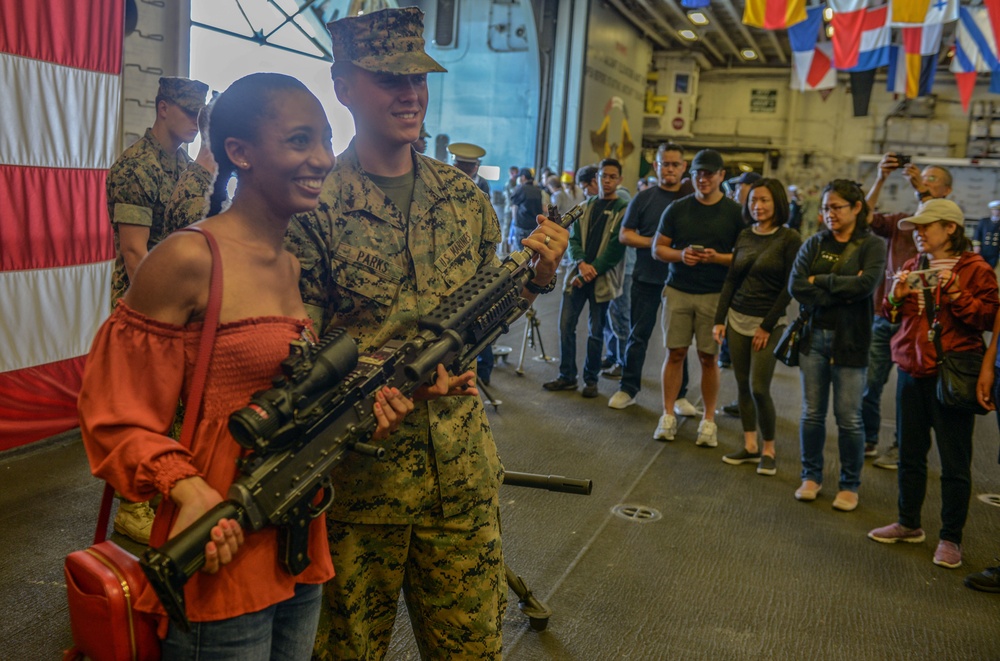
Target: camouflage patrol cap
[(384, 41), (188, 94), (466, 151)]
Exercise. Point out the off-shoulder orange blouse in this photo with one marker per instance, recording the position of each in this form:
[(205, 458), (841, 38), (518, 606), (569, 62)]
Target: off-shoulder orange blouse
[(137, 369)]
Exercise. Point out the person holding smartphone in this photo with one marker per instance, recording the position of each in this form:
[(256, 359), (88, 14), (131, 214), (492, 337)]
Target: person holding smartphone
[(962, 305), (931, 183)]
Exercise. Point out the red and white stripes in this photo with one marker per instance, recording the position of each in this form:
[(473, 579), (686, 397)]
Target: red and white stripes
[(60, 72)]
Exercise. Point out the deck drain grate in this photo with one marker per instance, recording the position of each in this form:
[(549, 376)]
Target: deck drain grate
[(636, 513), (990, 499)]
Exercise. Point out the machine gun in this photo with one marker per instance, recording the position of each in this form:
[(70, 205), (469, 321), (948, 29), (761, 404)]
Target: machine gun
[(321, 407)]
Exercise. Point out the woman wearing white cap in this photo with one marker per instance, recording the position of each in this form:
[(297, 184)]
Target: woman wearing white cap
[(952, 305)]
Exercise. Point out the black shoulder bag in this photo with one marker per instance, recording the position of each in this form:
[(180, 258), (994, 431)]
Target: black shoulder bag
[(957, 371)]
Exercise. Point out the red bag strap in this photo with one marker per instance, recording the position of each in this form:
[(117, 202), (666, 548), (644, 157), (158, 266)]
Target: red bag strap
[(194, 400)]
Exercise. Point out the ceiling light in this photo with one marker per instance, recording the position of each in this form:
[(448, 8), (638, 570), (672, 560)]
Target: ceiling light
[(745, 167), (688, 34), (829, 32), (697, 17), (748, 54), (827, 14)]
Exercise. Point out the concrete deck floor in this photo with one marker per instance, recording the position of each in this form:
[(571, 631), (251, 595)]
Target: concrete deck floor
[(734, 567)]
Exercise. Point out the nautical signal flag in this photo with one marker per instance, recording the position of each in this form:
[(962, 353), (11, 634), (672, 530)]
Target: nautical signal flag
[(812, 63), (694, 4), (774, 14), (861, 37), (975, 47), (913, 64), (907, 13)]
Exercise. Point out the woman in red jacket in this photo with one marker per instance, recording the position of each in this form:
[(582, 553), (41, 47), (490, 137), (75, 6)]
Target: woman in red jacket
[(963, 302)]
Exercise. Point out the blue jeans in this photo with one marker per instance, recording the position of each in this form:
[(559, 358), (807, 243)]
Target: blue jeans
[(285, 631), (879, 366), (569, 313), (818, 374), (619, 315), (922, 412)]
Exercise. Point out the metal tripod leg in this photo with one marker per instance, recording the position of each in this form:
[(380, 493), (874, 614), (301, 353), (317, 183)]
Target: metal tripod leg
[(487, 395), (532, 334), (537, 611)]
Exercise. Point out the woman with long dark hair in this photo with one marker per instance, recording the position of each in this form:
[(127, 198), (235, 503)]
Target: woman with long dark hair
[(751, 314), (272, 133), (944, 297), (834, 275)]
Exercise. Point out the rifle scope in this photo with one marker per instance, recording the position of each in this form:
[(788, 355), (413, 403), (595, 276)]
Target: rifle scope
[(268, 422)]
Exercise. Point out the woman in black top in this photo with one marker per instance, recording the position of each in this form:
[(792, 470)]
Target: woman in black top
[(833, 278), (751, 314)]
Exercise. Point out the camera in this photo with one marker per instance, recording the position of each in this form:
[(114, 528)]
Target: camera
[(902, 159)]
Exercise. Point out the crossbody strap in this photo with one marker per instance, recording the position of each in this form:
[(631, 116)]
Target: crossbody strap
[(193, 404)]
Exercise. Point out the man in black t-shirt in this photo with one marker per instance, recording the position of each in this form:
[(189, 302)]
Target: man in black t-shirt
[(638, 228), (695, 237)]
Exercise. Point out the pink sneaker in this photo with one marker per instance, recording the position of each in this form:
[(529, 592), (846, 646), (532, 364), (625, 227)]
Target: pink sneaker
[(948, 554), (895, 532)]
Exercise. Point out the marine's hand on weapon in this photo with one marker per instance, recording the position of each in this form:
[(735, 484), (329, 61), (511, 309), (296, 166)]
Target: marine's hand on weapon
[(194, 497), (446, 385), (549, 242), (390, 408)]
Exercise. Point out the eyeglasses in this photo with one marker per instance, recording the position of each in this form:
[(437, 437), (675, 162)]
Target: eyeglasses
[(833, 208), (670, 164)]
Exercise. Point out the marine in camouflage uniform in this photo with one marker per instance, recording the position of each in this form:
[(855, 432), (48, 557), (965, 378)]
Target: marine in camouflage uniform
[(143, 178), (188, 203), (425, 518)]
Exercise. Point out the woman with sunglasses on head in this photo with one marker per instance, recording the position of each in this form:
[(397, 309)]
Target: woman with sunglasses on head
[(272, 133), (751, 314), (947, 297), (834, 275)]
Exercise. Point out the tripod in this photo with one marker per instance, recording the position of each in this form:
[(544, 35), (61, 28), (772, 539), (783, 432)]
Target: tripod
[(538, 611), (532, 334)]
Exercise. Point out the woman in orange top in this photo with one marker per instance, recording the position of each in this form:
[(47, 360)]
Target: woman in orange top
[(272, 133)]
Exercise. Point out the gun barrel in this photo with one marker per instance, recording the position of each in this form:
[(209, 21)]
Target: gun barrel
[(548, 482)]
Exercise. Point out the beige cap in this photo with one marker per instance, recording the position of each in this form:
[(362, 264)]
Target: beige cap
[(932, 211)]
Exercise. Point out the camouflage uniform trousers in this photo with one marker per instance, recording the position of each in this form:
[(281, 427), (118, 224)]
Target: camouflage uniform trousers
[(451, 572)]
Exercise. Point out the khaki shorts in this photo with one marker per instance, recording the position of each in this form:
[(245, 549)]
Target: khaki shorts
[(690, 315)]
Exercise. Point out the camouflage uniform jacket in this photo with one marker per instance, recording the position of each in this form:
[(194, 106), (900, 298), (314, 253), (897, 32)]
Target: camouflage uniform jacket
[(364, 268), (189, 202), (139, 185)]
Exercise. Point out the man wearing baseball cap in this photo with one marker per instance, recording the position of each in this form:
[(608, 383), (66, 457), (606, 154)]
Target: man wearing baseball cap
[(696, 236), (396, 231), (139, 187)]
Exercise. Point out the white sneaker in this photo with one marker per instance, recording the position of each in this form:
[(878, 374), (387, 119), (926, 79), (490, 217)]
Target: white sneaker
[(685, 408), (666, 429), (707, 434), (620, 400)]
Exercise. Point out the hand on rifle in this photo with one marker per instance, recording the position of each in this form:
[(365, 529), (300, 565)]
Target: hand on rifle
[(390, 408), (446, 385), (194, 497), (549, 242)]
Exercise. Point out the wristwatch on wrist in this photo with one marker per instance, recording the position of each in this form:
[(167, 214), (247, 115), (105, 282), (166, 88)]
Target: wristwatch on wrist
[(538, 289)]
